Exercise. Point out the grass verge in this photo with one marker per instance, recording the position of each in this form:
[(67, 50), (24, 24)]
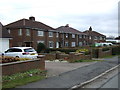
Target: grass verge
[(77, 61), (23, 78)]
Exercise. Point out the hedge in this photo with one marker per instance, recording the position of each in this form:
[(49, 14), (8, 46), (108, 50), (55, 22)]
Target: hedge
[(116, 50), (65, 50)]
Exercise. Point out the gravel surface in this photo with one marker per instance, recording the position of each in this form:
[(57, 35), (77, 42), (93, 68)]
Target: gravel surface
[(74, 77)]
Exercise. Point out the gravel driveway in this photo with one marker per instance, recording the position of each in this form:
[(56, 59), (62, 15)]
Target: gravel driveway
[(55, 68)]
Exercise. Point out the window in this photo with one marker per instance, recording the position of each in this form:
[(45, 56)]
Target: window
[(40, 33), (9, 31), (51, 44), (66, 35), (90, 37), (57, 34), (73, 35), (50, 34), (80, 36), (80, 44), (27, 32), (66, 44), (20, 32), (73, 44), (40, 42), (14, 50)]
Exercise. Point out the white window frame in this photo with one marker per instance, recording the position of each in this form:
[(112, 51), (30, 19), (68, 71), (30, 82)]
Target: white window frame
[(73, 44), (9, 31), (40, 42), (27, 32), (57, 34), (66, 44), (20, 32), (80, 44), (40, 33), (50, 34), (66, 35), (73, 35), (51, 44), (80, 36)]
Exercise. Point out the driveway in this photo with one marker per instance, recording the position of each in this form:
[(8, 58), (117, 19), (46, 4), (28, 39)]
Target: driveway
[(55, 68)]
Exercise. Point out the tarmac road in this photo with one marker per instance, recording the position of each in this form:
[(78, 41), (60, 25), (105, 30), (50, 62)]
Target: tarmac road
[(71, 78)]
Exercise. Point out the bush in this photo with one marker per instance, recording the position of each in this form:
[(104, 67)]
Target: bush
[(105, 49), (41, 47), (8, 59), (85, 51), (116, 50), (95, 52), (65, 50)]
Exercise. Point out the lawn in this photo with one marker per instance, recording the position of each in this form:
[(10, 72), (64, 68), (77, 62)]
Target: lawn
[(22, 78)]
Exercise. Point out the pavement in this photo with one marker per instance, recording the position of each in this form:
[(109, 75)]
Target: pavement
[(74, 77)]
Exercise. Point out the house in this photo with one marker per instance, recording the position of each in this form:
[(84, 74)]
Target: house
[(94, 37), (29, 32), (4, 39), (70, 37)]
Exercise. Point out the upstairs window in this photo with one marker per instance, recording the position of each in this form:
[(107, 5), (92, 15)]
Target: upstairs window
[(40, 33), (20, 32), (27, 32), (50, 34), (57, 34), (9, 31), (73, 35), (80, 36), (66, 35)]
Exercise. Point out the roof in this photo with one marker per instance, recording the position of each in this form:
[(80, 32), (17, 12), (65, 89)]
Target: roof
[(4, 32), (26, 23), (67, 29), (93, 33)]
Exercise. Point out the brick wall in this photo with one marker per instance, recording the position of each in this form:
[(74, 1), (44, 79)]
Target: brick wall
[(21, 66)]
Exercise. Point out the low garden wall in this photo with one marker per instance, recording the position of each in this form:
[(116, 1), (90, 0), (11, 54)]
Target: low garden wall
[(21, 66)]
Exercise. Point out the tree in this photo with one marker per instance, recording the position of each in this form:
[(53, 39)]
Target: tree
[(40, 47)]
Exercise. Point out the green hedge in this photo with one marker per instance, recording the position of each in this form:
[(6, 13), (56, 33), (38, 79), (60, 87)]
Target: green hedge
[(116, 50), (95, 52), (65, 50), (105, 49)]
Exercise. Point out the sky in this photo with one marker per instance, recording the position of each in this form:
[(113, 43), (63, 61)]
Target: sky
[(101, 15)]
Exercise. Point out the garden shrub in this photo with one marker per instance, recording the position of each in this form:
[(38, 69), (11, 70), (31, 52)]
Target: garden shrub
[(40, 47), (95, 52), (105, 49), (65, 50), (85, 51), (116, 50)]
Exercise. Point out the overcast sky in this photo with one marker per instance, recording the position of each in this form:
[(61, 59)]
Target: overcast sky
[(102, 15)]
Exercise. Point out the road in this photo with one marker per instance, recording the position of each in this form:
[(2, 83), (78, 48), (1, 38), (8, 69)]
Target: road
[(74, 77), (109, 80)]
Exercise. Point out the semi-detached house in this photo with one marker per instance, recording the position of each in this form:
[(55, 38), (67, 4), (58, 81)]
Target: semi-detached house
[(29, 32), (70, 37)]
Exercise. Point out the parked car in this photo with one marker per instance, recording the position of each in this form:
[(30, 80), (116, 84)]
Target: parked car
[(21, 52), (103, 44)]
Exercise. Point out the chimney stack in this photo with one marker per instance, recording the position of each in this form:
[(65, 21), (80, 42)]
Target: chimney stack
[(32, 18), (67, 25)]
